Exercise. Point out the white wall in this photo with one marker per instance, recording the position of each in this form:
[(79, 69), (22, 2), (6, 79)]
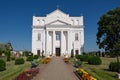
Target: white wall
[(57, 21)]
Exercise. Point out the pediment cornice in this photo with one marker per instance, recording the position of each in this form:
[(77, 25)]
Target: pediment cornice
[(58, 22)]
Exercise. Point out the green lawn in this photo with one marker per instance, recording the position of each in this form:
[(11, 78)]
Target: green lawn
[(101, 72), (13, 70)]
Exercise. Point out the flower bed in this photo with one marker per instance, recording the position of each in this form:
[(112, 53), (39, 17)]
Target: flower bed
[(46, 60), (28, 74), (83, 75), (66, 60)]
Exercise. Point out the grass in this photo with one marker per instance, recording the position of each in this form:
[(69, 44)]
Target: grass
[(13, 70), (101, 72)]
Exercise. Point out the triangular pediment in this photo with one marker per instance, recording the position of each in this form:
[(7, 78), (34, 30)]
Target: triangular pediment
[(57, 13), (58, 22)]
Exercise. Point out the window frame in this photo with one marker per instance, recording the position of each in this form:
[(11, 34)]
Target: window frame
[(57, 36), (39, 37), (76, 37)]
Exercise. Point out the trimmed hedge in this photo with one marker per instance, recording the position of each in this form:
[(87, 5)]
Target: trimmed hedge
[(29, 58), (82, 57), (36, 56), (19, 61), (2, 65), (113, 66), (77, 56), (94, 60)]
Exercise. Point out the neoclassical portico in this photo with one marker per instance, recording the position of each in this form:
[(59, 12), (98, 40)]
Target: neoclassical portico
[(57, 34)]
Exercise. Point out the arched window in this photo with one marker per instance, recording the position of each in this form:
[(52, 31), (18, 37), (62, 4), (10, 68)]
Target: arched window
[(76, 36), (39, 36)]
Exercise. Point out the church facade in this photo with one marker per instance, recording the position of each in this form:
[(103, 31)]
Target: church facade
[(57, 34)]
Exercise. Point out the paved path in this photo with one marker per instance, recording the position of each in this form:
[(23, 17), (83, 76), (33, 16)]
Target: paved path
[(57, 70)]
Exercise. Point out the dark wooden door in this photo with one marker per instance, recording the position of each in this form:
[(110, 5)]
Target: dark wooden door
[(77, 51), (57, 51), (38, 52)]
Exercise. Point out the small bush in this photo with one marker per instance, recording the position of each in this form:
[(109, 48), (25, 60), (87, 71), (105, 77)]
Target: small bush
[(19, 61), (12, 58), (72, 53), (94, 60), (78, 63), (83, 57), (77, 56), (36, 56), (8, 55), (113, 66), (30, 58), (2, 65)]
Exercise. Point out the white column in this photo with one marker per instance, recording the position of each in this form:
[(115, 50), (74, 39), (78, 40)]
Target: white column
[(69, 43), (46, 46), (82, 33), (61, 43), (53, 47)]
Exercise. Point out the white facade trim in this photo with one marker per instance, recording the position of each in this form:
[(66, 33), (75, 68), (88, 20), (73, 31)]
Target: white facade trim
[(47, 27)]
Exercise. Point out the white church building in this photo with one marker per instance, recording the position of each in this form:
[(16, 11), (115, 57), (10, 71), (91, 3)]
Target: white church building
[(57, 34)]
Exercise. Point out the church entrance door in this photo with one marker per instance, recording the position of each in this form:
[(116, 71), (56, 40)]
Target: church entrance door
[(57, 51)]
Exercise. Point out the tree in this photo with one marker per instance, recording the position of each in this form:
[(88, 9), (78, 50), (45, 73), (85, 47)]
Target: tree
[(108, 35), (109, 30)]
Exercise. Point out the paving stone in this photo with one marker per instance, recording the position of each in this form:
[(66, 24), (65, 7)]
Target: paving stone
[(57, 69)]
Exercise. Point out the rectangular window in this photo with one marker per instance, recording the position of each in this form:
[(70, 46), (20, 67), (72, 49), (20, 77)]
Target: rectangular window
[(76, 36), (39, 36), (58, 36)]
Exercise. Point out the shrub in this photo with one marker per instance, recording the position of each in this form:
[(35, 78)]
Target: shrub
[(27, 53), (2, 65), (94, 60), (78, 63), (8, 55), (113, 66), (72, 54), (30, 58), (12, 58), (36, 56), (19, 61), (83, 57), (77, 56)]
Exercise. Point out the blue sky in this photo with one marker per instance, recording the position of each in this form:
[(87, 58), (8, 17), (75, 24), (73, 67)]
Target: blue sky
[(16, 18)]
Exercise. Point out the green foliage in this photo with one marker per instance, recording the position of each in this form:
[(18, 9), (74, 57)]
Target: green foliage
[(78, 63), (77, 56), (108, 35), (27, 53), (94, 60), (19, 61), (29, 58), (82, 57), (2, 65), (12, 58), (8, 54), (72, 54), (36, 56), (113, 66)]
